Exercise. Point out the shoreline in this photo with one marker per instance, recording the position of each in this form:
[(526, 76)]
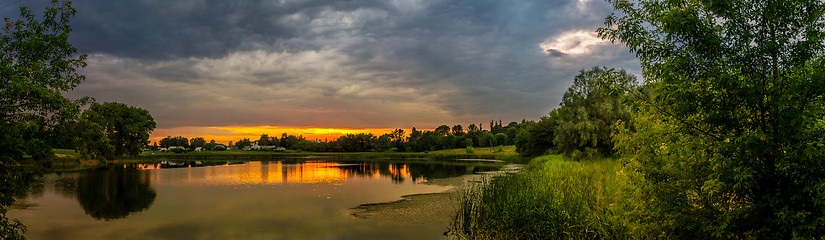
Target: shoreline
[(426, 208)]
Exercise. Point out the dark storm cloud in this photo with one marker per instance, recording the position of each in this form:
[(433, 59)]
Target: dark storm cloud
[(366, 63)]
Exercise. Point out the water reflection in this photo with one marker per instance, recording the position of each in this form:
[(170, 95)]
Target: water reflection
[(286, 199), (282, 172), (112, 193)]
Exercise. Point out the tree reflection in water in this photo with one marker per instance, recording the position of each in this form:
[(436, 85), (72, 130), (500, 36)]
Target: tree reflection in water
[(115, 192)]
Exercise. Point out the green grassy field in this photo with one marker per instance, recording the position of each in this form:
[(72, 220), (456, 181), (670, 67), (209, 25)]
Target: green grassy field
[(551, 198)]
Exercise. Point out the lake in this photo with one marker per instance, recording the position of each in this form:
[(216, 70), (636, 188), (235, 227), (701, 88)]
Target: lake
[(289, 199)]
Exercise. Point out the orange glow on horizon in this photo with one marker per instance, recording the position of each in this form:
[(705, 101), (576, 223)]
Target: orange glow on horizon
[(224, 134)]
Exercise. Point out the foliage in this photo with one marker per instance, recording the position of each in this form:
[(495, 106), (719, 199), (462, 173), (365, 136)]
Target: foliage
[(174, 141), (500, 139), (91, 140), (37, 64), (266, 140), (127, 128), (357, 142), (396, 141), (536, 139), (288, 141), (197, 142), (551, 199), (11, 176), (457, 130), (240, 144), (589, 111), (732, 142)]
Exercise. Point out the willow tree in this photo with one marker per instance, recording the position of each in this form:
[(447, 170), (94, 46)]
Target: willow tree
[(589, 110), (731, 142)]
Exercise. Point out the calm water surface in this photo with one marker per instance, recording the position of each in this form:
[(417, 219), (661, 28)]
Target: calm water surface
[(242, 200)]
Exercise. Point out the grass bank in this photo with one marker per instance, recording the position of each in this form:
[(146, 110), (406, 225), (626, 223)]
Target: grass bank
[(551, 198)]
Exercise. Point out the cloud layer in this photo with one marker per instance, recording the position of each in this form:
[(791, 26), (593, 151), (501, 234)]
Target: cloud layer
[(338, 64)]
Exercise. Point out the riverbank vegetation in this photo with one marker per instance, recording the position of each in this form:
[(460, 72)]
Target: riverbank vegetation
[(551, 198), (725, 139)]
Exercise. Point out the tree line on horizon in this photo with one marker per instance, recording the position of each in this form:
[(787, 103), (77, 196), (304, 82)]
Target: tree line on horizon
[(399, 140)]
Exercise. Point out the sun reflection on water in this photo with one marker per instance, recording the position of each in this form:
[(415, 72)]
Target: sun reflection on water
[(278, 172)]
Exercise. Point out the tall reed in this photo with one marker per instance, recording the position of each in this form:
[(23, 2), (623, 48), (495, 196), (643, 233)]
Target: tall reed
[(550, 199)]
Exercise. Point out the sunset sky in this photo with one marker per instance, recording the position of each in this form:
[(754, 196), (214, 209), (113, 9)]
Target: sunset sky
[(226, 69)]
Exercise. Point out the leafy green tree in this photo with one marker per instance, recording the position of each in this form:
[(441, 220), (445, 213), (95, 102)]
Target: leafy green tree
[(197, 142), (288, 141), (589, 111), (442, 130), (127, 128), (732, 142), (91, 140), (37, 64), (174, 141), (357, 142), (240, 144), (536, 138), (458, 130), (447, 142), (398, 137), (214, 146), (266, 140), (512, 130), (383, 143), (475, 136), (501, 139), (486, 140)]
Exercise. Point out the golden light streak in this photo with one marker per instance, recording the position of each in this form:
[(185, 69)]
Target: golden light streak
[(276, 173)]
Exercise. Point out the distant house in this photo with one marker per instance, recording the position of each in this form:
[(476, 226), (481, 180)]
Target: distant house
[(198, 149), (255, 147), (163, 149), (272, 147), (246, 148)]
